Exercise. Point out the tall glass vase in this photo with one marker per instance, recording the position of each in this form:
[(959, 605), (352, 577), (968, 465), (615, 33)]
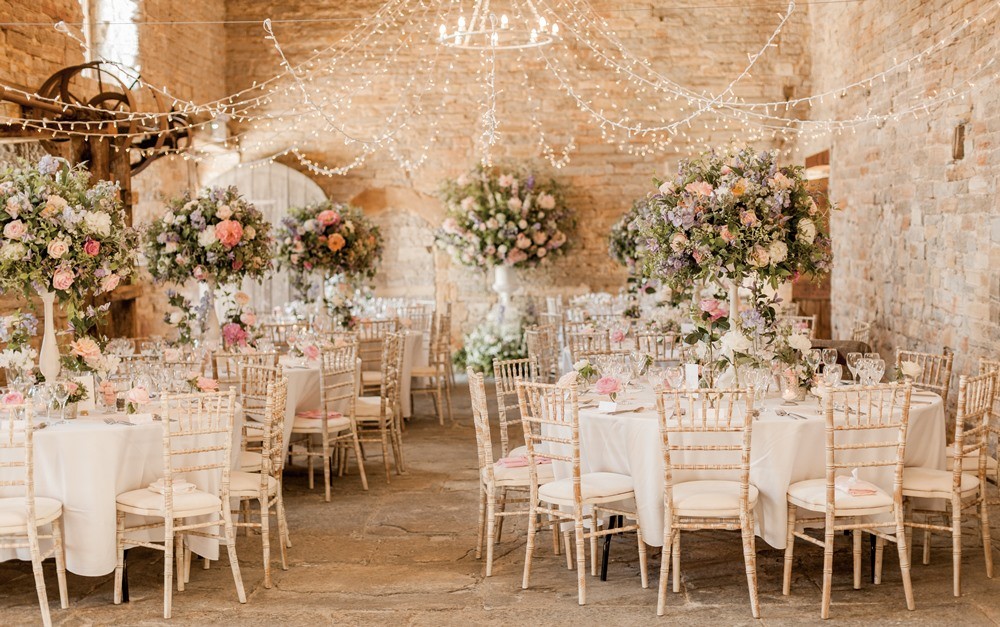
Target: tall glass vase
[(213, 331), (48, 357)]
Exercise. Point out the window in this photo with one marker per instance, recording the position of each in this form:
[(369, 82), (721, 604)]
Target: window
[(112, 33)]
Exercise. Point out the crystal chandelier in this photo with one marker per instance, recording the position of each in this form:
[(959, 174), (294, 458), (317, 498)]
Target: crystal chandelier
[(523, 26)]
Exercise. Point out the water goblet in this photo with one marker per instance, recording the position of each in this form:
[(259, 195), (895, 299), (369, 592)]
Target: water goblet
[(813, 357), (654, 374), (829, 356), (60, 392), (877, 370), (674, 377), (852, 364), (832, 375)]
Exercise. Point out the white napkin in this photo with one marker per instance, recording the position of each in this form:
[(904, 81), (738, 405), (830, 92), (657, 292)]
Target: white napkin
[(180, 486), (853, 486)]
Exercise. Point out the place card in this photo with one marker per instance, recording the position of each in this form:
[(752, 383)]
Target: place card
[(691, 376), (87, 382), (607, 407)]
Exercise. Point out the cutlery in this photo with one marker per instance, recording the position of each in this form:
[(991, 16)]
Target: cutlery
[(794, 416)]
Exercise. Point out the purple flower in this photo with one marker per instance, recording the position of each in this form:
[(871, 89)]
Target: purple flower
[(48, 164)]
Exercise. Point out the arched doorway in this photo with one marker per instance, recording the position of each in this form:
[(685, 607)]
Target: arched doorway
[(273, 188)]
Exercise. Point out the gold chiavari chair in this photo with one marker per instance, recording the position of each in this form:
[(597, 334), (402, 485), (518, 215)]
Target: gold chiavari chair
[(335, 429), (551, 424), (379, 417), (542, 342), (264, 485), (197, 448), (935, 370), (497, 476), (226, 366), (707, 432), (970, 463), (435, 373), (862, 332), (253, 397), (865, 430), (805, 325), (278, 332), (664, 348), (25, 515), (961, 490), (371, 336), (592, 342)]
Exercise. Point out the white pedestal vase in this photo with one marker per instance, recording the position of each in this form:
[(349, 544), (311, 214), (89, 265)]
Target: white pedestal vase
[(213, 331), (48, 358), (505, 284)]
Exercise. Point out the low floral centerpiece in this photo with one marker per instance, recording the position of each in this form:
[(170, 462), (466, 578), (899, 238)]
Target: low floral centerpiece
[(62, 238), (491, 340), (330, 240), (625, 244), (217, 238)]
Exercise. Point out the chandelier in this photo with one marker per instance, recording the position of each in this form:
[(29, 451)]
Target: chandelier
[(487, 31)]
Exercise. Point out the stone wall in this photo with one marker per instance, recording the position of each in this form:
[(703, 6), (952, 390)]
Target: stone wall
[(917, 242)]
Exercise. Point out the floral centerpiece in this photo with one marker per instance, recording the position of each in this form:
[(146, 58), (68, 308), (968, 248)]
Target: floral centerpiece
[(239, 322), (732, 218), (216, 238), (64, 239), (491, 340), (625, 244), (503, 217)]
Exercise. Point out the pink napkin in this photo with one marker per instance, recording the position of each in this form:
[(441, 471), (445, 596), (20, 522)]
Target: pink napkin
[(315, 414), (520, 462), (854, 486)]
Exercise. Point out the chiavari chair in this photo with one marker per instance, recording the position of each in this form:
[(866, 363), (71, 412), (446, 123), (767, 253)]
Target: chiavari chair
[(542, 342), (378, 418), (435, 373), (806, 325), (371, 336), (935, 370)]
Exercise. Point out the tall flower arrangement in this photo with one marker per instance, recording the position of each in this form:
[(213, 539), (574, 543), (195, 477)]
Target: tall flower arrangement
[(330, 238), (503, 216), (62, 235), (217, 237), (625, 244), (731, 218)]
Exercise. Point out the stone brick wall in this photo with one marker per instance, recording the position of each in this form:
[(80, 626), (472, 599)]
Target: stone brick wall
[(917, 244)]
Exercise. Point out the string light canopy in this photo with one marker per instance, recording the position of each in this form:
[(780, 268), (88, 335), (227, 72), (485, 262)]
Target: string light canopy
[(401, 79)]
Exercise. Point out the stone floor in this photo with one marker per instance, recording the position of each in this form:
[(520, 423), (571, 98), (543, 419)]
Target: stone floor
[(403, 554)]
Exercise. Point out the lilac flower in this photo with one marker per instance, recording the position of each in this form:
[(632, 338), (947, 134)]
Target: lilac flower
[(48, 165)]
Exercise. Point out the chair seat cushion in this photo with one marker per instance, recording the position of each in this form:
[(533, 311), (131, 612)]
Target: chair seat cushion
[(928, 482), (248, 484), (310, 422), (811, 495), (595, 487), (424, 371), (14, 512), (371, 377), (250, 461), (970, 462), (521, 451), (148, 503), (369, 407), (519, 475), (711, 499)]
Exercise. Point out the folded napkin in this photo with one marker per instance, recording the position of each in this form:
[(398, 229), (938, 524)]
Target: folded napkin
[(180, 486), (853, 486), (520, 462), (316, 414)]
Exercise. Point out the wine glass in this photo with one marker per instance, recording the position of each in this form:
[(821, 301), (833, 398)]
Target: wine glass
[(760, 380), (853, 359), (674, 377), (829, 356), (813, 358), (832, 375), (60, 392), (654, 374), (877, 370), (41, 398)]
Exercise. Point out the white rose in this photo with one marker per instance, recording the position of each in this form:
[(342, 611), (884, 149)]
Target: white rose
[(580, 365), (514, 204), (523, 224), (777, 251), (546, 201), (224, 212), (807, 231), (799, 342), (170, 247), (168, 217), (176, 317), (207, 238), (249, 233), (12, 251), (735, 342), (98, 222), (911, 369), (57, 248)]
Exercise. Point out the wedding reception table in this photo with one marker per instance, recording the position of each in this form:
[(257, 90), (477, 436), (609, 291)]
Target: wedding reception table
[(783, 450), (85, 464)]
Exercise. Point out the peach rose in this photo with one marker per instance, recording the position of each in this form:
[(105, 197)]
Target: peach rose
[(206, 384), (57, 248), (335, 242), (15, 230), (138, 396), (63, 279), (85, 348), (92, 247), (229, 233), (107, 392), (110, 282), (328, 217), (700, 188), (248, 318), (241, 298)]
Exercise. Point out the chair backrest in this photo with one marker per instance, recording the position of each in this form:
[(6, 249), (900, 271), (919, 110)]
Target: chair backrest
[(371, 341), (507, 373), (662, 347), (17, 432), (992, 365), (338, 380), (253, 396), (550, 420), (606, 320), (273, 446), (705, 431), (862, 332), (972, 421), (543, 346), (584, 342), (806, 325), (133, 365), (935, 374), (277, 332), (391, 369), (865, 428), (226, 366), (198, 441), (481, 422)]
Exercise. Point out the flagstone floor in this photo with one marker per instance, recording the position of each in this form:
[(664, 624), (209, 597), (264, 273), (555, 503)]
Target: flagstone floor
[(403, 554)]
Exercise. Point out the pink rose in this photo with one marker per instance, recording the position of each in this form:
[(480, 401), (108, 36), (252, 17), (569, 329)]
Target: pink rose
[(233, 334), (607, 385), (107, 392), (725, 234), (328, 217), (700, 188), (13, 398), (248, 319), (541, 252), (229, 233), (15, 230), (617, 336), (206, 384), (57, 248), (200, 273), (137, 396), (62, 279), (748, 218), (515, 256), (72, 386), (110, 282), (92, 247), (311, 352), (713, 308)]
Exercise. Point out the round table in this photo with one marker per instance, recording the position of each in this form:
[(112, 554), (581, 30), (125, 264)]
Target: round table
[(85, 464), (783, 450)]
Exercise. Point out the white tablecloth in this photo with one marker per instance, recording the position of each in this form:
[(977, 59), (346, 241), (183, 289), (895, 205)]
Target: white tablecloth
[(86, 464), (782, 451)]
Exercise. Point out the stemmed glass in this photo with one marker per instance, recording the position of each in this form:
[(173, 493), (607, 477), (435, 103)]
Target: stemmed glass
[(829, 357), (760, 380), (877, 370), (853, 361), (60, 392), (41, 398), (832, 375), (674, 377), (813, 358)]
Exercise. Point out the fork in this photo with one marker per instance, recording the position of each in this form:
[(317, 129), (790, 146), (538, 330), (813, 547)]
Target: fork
[(782, 412)]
